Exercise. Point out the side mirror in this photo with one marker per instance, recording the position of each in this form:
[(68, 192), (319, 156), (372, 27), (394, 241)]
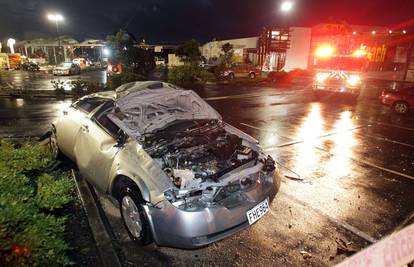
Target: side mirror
[(121, 138)]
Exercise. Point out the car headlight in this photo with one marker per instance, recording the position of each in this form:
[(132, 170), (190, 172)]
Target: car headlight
[(354, 80), (321, 76)]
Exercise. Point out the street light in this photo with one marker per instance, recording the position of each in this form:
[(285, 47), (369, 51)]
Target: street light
[(106, 52), (10, 43), (286, 6), (55, 18)]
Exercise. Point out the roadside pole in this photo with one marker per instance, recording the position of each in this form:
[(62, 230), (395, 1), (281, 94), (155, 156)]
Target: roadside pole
[(409, 66)]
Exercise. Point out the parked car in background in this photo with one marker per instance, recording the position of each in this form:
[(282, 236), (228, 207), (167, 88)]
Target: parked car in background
[(241, 70), (67, 68), (400, 101), (30, 66), (182, 176), (100, 64), (159, 61), (82, 62)]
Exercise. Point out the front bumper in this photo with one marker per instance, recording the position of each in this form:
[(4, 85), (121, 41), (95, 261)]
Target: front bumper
[(337, 88), (386, 101), (173, 227)]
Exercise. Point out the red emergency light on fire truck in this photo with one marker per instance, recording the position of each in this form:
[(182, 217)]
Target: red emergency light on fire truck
[(338, 72)]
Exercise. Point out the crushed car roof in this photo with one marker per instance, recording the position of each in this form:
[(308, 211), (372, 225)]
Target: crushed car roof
[(145, 107)]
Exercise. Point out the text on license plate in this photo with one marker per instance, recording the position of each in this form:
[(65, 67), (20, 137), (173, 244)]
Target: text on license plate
[(258, 211)]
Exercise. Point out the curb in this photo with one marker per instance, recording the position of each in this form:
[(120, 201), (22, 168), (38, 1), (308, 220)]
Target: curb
[(103, 241)]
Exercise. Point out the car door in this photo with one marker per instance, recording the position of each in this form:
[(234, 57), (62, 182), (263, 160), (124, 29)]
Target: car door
[(70, 122), (410, 97), (96, 147)]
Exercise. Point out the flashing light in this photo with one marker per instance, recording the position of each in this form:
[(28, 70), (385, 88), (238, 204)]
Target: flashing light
[(390, 31), (374, 32), (354, 79), (324, 51), (354, 33), (359, 53), (404, 31), (321, 76), (286, 6)]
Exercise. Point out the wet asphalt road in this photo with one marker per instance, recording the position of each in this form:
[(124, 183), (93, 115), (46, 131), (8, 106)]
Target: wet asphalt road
[(41, 80), (348, 176)]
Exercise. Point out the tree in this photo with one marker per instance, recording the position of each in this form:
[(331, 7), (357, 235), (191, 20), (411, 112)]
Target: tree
[(227, 58), (227, 47), (189, 52), (124, 50)]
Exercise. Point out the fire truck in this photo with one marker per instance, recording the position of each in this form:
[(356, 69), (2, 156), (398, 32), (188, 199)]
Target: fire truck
[(337, 73)]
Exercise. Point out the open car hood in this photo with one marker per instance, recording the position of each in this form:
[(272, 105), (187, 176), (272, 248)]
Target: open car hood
[(149, 110)]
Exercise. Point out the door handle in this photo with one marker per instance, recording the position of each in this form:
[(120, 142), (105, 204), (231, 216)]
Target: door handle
[(85, 128)]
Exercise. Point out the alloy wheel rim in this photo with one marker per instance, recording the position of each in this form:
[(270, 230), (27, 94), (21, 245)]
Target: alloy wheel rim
[(400, 108), (131, 216)]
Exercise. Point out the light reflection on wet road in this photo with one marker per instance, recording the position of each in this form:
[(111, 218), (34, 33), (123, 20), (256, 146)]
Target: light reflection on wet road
[(348, 156), (42, 80)]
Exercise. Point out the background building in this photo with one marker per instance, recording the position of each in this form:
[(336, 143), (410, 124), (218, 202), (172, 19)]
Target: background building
[(388, 51)]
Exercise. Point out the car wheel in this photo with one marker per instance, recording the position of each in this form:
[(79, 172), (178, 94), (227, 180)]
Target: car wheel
[(400, 107), (231, 76), (133, 216), (57, 154), (252, 75)]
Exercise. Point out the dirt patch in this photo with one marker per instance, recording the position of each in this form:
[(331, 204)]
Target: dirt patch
[(82, 251)]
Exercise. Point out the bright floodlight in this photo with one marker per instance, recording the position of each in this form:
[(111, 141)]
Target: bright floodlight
[(106, 51), (286, 6), (10, 43), (55, 17)]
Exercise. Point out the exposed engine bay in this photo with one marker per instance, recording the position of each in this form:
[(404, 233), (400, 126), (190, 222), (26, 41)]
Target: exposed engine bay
[(200, 159)]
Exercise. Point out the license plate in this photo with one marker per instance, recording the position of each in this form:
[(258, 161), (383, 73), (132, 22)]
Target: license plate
[(258, 211)]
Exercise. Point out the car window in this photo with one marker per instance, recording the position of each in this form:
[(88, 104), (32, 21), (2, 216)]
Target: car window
[(101, 118), (87, 105)]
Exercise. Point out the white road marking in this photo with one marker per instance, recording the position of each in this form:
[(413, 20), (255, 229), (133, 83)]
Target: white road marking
[(298, 141), (388, 124), (243, 96), (343, 224), (385, 139), (293, 142)]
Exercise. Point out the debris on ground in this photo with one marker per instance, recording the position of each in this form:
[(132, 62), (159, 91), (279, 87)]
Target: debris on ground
[(306, 255), (344, 247), (298, 179)]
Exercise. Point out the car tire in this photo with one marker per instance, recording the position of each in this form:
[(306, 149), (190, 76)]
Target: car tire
[(231, 76), (133, 215), (252, 75), (56, 152), (400, 107)]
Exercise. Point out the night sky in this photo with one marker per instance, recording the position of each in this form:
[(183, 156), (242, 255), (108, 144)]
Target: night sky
[(169, 21)]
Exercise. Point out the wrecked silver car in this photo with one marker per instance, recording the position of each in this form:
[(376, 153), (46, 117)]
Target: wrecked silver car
[(182, 176)]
